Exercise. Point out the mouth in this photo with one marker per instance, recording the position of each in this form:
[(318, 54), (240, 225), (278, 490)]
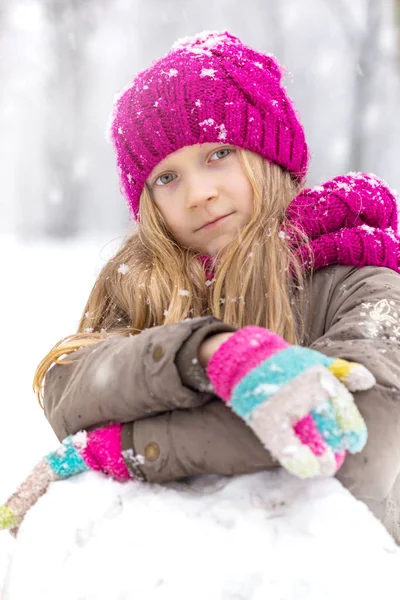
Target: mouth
[(214, 223)]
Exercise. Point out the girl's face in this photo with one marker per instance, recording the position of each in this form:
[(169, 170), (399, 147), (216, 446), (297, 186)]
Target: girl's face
[(198, 184)]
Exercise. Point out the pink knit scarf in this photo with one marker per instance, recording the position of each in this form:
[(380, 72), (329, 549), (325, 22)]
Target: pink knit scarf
[(350, 220)]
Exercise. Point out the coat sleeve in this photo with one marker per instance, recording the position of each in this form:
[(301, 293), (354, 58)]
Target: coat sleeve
[(208, 439), (362, 324), (127, 378)]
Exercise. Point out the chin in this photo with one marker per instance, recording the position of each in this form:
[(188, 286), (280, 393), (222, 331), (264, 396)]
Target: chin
[(214, 250)]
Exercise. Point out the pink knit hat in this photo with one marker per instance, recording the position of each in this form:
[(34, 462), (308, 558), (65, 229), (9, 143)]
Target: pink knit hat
[(208, 88)]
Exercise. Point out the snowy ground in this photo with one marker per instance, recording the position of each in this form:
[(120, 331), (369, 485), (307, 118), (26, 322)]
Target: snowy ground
[(43, 291), (260, 536)]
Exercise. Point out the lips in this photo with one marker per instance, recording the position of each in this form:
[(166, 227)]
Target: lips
[(213, 221)]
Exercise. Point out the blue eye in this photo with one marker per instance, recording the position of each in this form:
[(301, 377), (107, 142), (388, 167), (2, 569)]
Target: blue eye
[(166, 178), (222, 150), (161, 178)]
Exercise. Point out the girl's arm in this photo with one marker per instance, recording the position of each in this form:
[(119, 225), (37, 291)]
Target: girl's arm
[(349, 304), (208, 439), (124, 379), (356, 316)]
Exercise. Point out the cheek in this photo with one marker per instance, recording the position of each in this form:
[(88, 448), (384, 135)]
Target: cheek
[(244, 192), (175, 223), (168, 213)]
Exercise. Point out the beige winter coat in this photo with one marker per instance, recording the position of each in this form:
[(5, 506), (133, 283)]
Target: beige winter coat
[(154, 384)]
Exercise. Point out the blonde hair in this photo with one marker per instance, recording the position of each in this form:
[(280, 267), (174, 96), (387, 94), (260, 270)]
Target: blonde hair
[(256, 277)]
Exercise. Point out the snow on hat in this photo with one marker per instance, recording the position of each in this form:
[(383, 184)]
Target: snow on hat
[(208, 88)]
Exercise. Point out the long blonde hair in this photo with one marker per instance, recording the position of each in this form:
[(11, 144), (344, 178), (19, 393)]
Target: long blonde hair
[(256, 276)]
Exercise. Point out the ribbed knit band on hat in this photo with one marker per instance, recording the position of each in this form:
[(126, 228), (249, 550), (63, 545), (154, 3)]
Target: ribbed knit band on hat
[(208, 88)]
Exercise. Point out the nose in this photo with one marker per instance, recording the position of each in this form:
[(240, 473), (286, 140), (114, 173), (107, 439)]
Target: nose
[(200, 190)]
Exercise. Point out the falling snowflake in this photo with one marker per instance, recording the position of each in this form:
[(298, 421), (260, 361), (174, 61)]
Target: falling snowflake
[(183, 293), (120, 130), (165, 313), (172, 73), (123, 269), (198, 103), (282, 235), (88, 330)]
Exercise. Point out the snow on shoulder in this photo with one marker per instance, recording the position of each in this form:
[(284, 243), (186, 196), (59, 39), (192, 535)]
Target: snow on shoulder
[(252, 537)]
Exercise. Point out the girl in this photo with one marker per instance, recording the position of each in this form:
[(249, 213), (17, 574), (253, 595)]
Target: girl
[(244, 286)]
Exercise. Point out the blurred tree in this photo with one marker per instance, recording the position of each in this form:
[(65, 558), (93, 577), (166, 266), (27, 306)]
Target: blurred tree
[(71, 23), (368, 62), (397, 21), (365, 45)]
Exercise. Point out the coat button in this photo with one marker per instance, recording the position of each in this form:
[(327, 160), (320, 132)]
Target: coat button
[(152, 451), (158, 353)]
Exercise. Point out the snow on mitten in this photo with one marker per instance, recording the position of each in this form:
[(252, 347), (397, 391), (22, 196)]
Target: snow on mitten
[(295, 399), (98, 450)]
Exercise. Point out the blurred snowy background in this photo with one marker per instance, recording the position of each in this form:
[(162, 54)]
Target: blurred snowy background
[(62, 62), (61, 212)]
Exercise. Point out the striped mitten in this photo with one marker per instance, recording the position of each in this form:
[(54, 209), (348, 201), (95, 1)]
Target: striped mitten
[(296, 400), (98, 450)]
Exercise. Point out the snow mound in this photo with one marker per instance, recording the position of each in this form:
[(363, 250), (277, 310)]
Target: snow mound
[(253, 537)]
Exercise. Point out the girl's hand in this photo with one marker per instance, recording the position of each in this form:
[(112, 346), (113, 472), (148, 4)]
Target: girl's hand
[(98, 450), (296, 400), (211, 345)]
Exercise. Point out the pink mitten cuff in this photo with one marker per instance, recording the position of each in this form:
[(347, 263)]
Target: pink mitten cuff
[(241, 353)]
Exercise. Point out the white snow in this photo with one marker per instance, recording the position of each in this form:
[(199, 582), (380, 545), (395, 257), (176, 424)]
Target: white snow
[(267, 535), (207, 122), (252, 537), (222, 132), (208, 73), (123, 269)]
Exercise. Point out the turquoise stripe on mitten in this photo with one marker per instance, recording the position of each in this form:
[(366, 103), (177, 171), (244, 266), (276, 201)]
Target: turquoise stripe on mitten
[(265, 380), (325, 420), (292, 398), (66, 460)]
